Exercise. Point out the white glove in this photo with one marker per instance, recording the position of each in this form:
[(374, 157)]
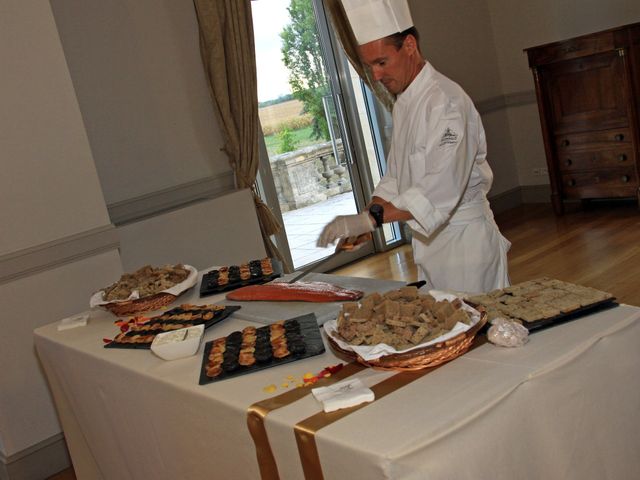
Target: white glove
[(346, 226), (351, 244)]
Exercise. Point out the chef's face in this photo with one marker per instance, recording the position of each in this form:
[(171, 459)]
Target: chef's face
[(395, 68)]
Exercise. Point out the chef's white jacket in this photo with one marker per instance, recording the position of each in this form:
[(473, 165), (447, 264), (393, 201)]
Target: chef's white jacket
[(437, 170)]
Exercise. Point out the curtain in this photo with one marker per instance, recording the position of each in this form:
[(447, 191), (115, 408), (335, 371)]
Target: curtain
[(342, 27), (228, 54)]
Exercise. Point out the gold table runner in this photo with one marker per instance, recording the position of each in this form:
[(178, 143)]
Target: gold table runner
[(305, 430), (259, 410)]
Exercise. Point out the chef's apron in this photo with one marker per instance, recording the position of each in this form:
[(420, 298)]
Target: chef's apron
[(469, 254)]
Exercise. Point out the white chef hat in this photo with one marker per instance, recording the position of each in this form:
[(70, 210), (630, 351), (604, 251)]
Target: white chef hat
[(374, 19)]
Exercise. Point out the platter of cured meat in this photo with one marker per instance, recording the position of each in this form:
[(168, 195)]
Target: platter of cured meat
[(258, 348), (222, 279), (139, 332)]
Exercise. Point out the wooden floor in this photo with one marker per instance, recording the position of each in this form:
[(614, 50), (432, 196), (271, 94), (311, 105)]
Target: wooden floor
[(598, 246)]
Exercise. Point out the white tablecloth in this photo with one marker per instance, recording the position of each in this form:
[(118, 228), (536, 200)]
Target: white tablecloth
[(563, 406)]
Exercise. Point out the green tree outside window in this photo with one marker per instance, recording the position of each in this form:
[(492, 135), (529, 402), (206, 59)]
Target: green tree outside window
[(302, 56)]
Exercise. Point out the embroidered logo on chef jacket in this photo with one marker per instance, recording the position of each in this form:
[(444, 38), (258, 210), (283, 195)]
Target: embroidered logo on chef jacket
[(449, 137)]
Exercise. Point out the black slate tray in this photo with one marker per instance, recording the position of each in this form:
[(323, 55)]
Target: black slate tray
[(209, 287), (313, 342), (572, 315), (217, 318)]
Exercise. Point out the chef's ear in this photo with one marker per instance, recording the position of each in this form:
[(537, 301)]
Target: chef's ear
[(410, 43)]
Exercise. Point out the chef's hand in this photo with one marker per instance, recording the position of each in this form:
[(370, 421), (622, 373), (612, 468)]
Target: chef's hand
[(350, 244), (346, 226)]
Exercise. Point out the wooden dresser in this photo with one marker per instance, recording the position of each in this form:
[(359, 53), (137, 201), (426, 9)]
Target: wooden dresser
[(588, 91)]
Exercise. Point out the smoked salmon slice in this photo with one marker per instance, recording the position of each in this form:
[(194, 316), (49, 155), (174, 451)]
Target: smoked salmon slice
[(294, 292)]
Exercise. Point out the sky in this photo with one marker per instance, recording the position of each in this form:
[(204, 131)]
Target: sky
[(269, 18)]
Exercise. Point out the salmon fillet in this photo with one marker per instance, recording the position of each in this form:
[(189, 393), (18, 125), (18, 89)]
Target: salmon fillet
[(294, 292)]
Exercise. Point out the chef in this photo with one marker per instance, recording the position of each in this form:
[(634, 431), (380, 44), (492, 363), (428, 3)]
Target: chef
[(437, 175)]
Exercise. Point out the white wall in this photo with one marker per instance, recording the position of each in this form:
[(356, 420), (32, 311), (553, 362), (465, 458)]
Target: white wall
[(49, 190), (480, 46), (457, 39), (27, 414), (139, 79), (520, 25), (47, 168)]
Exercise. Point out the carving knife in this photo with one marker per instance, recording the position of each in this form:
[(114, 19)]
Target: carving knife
[(308, 270)]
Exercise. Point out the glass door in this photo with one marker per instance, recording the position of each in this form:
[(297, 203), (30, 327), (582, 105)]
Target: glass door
[(371, 125), (312, 108)]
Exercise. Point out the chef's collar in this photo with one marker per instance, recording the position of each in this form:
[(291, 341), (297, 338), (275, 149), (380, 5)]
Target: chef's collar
[(375, 19), (416, 84)]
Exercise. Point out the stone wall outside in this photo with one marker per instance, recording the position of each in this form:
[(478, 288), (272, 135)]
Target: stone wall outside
[(309, 175)]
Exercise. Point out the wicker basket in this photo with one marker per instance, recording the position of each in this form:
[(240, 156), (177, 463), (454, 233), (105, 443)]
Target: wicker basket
[(420, 358), (140, 305)]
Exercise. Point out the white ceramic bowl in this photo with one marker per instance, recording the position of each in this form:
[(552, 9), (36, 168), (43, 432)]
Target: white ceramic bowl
[(178, 343)]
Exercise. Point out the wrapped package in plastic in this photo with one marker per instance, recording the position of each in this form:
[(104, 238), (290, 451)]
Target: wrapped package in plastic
[(507, 333)]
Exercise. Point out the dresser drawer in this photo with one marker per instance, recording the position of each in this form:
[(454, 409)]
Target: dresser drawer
[(586, 94), (574, 48), (598, 139), (571, 161), (600, 184)]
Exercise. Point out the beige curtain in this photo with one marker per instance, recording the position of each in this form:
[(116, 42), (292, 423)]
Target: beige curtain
[(342, 27), (228, 53)]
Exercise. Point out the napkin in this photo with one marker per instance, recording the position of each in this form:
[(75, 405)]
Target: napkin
[(73, 322), (347, 393)]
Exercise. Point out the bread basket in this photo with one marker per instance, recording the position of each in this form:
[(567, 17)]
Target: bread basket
[(419, 358), (134, 306)]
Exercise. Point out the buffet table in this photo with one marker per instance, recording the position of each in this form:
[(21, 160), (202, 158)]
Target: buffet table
[(563, 406)]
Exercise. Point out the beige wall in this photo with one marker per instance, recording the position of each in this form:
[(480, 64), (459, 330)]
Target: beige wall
[(47, 167), (520, 25), (480, 46), (139, 79), (27, 414), (457, 39), (49, 190)]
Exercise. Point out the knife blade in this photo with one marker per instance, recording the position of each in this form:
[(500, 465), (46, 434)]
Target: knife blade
[(315, 266)]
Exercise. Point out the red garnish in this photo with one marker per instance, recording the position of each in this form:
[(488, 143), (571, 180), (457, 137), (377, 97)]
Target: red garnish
[(336, 368), (326, 372), (107, 340)]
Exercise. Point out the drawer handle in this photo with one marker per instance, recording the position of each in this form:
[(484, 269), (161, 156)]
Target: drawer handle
[(572, 183), (566, 142), (622, 157), (625, 178), (568, 162), (619, 137)]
